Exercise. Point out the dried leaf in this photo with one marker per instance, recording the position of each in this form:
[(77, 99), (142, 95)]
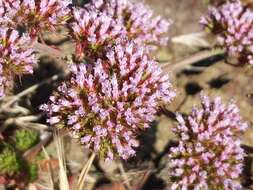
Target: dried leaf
[(192, 40), (45, 163)]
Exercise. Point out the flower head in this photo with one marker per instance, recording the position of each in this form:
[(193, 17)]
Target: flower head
[(93, 32), (107, 103), (232, 23), (6, 13), (16, 57), (35, 15), (137, 20), (208, 155)]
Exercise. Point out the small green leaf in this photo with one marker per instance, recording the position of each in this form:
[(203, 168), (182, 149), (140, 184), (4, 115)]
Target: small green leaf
[(25, 139), (9, 161)]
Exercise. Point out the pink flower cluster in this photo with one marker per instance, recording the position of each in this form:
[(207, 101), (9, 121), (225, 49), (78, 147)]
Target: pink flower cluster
[(16, 53), (208, 155), (136, 20), (107, 103), (232, 23), (5, 13), (35, 15), (92, 32), (16, 57)]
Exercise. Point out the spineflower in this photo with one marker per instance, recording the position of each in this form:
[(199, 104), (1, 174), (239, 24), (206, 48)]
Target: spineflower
[(232, 24), (16, 57), (5, 13), (35, 15), (208, 155), (107, 103), (93, 32), (137, 20)]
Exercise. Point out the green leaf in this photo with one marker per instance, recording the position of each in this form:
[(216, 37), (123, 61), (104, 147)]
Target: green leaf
[(25, 139), (9, 161)]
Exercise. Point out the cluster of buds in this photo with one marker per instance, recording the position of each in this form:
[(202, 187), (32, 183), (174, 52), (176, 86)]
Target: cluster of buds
[(232, 23), (109, 99), (6, 14), (136, 20), (107, 103), (34, 15), (16, 57), (208, 155), (92, 32), (100, 23)]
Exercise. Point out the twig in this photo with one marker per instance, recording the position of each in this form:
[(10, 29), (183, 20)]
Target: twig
[(139, 185), (37, 126), (124, 175), (29, 90), (197, 39), (48, 50), (24, 121), (181, 104), (17, 109), (29, 118), (85, 171), (41, 38), (190, 60), (63, 178)]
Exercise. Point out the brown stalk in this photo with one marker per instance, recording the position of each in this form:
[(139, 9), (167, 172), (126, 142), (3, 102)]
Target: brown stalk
[(168, 67)]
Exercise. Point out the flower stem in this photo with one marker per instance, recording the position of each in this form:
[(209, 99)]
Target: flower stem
[(85, 171)]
